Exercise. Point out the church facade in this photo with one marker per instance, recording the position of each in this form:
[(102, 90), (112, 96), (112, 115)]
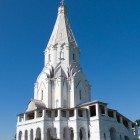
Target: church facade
[(62, 107)]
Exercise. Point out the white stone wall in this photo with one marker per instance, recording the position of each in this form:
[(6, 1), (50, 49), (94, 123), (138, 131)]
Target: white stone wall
[(62, 86), (97, 127)]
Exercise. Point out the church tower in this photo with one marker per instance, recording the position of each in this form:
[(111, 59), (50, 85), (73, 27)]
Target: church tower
[(62, 84), (62, 107)]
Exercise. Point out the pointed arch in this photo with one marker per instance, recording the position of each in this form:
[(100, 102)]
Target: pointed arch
[(41, 89), (42, 84)]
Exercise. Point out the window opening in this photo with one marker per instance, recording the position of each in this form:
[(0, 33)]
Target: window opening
[(80, 95), (73, 56), (110, 113), (71, 113), (92, 111), (102, 108)]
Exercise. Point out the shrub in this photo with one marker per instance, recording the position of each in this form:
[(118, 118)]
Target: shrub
[(37, 139), (138, 122)]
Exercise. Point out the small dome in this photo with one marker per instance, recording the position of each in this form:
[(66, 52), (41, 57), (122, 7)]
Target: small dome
[(35, 104)]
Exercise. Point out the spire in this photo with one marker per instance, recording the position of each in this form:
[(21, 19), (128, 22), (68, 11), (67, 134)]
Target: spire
[(62, 2), (62, 33)]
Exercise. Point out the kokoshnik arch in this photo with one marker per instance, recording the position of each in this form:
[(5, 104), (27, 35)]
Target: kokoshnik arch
[(62, 107)]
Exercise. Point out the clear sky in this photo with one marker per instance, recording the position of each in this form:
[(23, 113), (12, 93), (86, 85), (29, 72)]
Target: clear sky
[(108, 35)]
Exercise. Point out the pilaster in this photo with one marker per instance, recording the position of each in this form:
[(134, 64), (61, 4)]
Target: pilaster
[(44, 113), (36, 114), (114, 114), (98, 112), (106, 111), (25, 117), (76, 113)]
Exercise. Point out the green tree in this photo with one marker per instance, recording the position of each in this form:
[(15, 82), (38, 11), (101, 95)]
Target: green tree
[(51, 138), (37, 139), (15, 137), (138, 122)]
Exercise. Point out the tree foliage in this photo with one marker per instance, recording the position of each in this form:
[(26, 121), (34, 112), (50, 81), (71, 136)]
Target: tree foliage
[(51, 138), (138, 122), (37, 139)]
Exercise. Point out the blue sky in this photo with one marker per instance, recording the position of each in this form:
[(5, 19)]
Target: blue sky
[(108, 35)]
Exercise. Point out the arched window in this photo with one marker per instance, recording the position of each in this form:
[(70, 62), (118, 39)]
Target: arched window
[(31, 134), (71, 134), (20, 135), (82, 134), (38, 133)]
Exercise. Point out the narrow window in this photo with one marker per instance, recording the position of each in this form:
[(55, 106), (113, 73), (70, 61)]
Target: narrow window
[(102, 109), (120, 137), (42, 95), (80, 95), (92, 111), (104, 136), (73, 56), (118, 118)]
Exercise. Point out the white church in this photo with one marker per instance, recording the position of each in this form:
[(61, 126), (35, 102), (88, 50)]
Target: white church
[(62, 106)]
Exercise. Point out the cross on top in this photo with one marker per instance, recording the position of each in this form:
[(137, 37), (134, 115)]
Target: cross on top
[(62, 2)]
